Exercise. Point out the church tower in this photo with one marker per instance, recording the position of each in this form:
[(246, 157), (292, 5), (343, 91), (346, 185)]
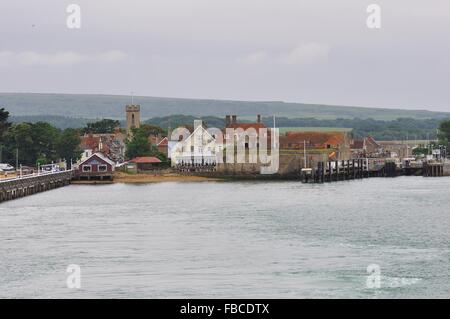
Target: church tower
[(133, 116)]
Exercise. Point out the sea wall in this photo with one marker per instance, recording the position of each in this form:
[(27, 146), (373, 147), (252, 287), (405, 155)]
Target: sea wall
[(447, 169), (29, 185)]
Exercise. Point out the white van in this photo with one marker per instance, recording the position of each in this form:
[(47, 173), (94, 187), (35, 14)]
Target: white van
[(6, 168)]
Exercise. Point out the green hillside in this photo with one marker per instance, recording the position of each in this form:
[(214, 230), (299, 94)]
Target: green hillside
[(112, 106)]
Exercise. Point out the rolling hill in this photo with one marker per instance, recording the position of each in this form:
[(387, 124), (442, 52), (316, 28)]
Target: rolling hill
[(112, 106)]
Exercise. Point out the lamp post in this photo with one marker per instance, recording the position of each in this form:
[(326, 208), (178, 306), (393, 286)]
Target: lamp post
[(17, 158), (304, 154)]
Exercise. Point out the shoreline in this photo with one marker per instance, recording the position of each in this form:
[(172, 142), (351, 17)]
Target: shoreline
[(125, 178)]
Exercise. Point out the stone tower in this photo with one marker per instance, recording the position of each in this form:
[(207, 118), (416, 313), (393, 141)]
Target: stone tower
[(133, 117)]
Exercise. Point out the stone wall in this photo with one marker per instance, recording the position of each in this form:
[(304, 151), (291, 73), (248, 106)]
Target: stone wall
[(447, 169)]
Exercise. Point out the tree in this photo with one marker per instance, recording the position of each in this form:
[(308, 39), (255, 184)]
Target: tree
[(4, 124), (102, 126), (45, 137), (420, 151), (68, 145), (139, 145), (149, 129), (19, 139), (40, 143), (444, 133)]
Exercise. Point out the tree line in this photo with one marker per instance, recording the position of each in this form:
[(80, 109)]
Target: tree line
[(36, 143), (444, 134), (42, 142), (399, 129)]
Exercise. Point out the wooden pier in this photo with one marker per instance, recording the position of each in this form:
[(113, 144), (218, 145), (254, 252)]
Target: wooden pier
[(343, 170), (31, 184), (335, 171), (433, 169)]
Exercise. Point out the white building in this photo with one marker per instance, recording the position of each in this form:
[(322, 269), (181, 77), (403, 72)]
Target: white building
[(198, 147)]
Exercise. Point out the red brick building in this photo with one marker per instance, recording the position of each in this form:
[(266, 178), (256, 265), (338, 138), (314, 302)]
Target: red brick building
[(319, 140)]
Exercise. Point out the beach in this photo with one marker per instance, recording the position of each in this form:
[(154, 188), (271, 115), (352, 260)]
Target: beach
[(121, 177)]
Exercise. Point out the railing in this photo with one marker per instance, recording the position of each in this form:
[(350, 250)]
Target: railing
[(29, 176)]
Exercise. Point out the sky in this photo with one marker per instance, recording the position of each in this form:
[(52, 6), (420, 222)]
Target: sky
[(311, 51)]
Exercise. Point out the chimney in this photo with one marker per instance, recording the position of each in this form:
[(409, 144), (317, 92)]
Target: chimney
[(197, 124), (258, 118), (227, 120), (233, 119)]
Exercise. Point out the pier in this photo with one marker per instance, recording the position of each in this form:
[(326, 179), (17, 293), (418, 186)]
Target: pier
[(433, 169), (334, 171), (31, 184)]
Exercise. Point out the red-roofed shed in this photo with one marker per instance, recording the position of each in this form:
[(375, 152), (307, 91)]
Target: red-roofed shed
[(145, 163)]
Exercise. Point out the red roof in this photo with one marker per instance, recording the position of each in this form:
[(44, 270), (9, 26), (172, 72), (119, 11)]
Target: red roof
[(312, 139), (93, 142), (145, 160), (90, 142)]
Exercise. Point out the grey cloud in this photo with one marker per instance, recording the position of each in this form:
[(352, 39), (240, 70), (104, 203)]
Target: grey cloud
[(62, 58), (294, 50)]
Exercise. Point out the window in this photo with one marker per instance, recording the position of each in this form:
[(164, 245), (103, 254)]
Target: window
[(102, 168), (87, 168)]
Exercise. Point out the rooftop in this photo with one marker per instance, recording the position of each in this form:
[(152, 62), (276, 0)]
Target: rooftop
[(313, 139), (145, 160)]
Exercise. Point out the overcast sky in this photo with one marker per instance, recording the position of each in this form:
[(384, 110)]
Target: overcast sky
[(313, 51)]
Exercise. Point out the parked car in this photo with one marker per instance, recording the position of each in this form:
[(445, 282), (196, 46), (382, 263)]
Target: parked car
[(6, 168)]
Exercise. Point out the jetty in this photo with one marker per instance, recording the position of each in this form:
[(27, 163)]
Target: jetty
[(21, 186), (333, 171), (435, 169)]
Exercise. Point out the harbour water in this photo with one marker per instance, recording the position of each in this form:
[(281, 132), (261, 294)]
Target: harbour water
[(230, 239)]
